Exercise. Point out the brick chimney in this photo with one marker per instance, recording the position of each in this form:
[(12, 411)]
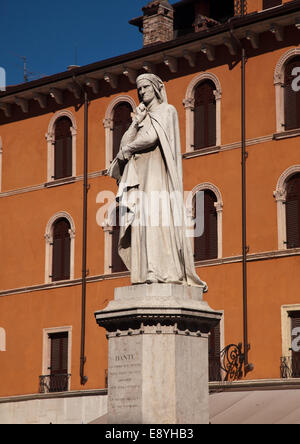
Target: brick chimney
[(158, 22)]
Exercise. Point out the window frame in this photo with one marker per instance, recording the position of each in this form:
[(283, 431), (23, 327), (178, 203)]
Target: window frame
[(280, 195), (50, 137), (219, 209), (108, 124), (189, 105), (49, 246), (46, 359), (279, 82)]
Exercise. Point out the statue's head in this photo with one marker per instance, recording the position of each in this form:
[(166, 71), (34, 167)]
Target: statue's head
[(150, 86)]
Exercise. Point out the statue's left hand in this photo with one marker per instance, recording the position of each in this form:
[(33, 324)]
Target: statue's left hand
[(125, 153)]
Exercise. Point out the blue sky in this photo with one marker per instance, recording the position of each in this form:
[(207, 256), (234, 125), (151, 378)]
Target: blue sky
[(55, 34)]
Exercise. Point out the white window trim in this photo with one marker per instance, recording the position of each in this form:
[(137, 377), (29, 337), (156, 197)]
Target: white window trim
[(50, 137), (2, 340), (286, 327), (189, 104), (108, 123), (279, 76), (280, 196), (49, 246), (47, 349), (219, 208)]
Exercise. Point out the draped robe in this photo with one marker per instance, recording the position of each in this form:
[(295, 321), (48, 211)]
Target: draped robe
[(157, 252)]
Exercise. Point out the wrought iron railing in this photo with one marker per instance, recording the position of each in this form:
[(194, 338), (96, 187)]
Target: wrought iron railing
[(228, 365), (54, 383), (289, 367), (240, 7)]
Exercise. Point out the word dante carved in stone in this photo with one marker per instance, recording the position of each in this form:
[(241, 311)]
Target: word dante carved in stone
[(124, 357)]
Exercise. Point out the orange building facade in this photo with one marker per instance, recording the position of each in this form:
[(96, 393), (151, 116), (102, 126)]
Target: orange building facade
[(36, 309)]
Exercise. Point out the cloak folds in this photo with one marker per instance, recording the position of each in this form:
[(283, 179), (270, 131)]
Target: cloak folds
[(155, 254)]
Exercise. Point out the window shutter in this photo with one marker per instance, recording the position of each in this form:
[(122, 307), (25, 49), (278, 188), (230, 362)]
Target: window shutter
[(61, 251), (63, 149), (205, 115), (271, 3), (293, 212), (291, 97), (122, 121), (214, 354), (206, 246), (59, 353), (59, 159), (59, 362), (117, 263)]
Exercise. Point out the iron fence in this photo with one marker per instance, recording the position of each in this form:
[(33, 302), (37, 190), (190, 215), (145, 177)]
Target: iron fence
[(228, 365), (54, 383), (290, 367)]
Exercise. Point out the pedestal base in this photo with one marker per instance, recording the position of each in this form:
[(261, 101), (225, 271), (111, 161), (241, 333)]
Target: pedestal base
[(158, 354)]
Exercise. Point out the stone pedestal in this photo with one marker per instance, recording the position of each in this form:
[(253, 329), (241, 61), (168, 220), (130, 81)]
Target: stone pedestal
[(158, 354)]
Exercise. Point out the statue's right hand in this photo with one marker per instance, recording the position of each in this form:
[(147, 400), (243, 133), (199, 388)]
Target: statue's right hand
[(141, 113)]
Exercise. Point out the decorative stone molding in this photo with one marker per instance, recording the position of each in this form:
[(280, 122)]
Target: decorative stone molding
[(279, 76), (190, 57), (280, 196), (49, 244), (149, 67), (231, 45), (2, 340), (108, 123), (189, 102), (93, 83), (74, 89), (112, 79), (6, 107), (219, 208), (57, 95), (171, 62), (278, 31), (41, 99), (50, 137), (253, 38), (131, 74), (22, 103), (209, 51)]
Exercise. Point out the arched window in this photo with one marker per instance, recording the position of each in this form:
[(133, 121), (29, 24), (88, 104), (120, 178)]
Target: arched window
[(121, 122), (116, 122), (117, 265), (61, 141), (206, 246), (63, 148), (203, 112), (293, 211), (291, 96), (205, 115), (61, 250), (287, 98)]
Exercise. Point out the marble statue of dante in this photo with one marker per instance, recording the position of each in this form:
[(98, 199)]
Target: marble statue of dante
[(150, 161)]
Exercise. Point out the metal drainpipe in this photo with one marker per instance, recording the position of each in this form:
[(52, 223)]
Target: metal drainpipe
[(244, 213), (83, 378), (247, 367)]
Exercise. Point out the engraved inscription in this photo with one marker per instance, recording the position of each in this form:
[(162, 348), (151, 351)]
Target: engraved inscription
[(124, 379)]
